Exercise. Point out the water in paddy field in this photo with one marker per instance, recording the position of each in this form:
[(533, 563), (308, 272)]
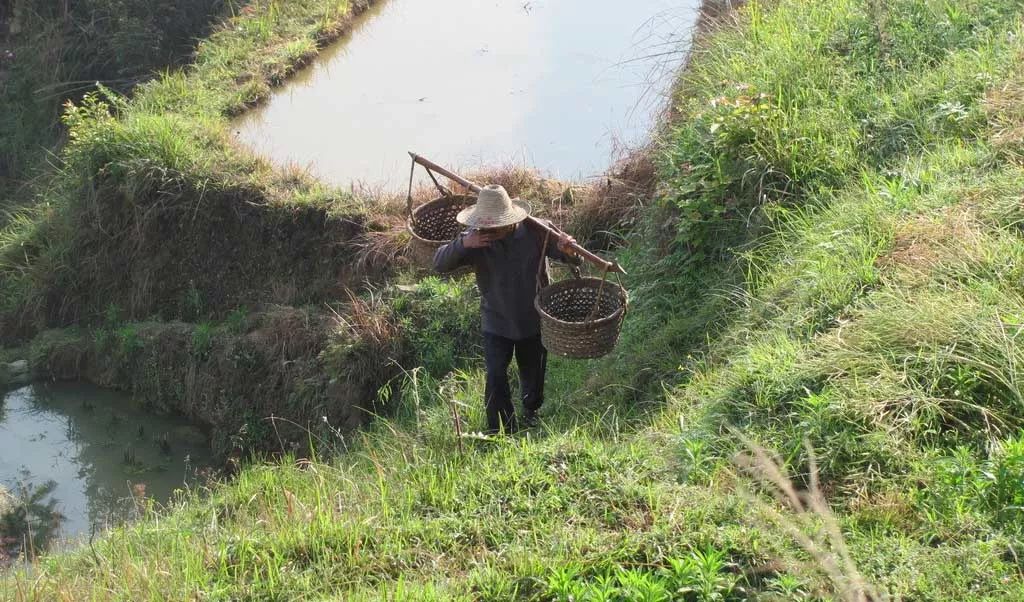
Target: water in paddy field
[(101, 449), (559, 85)]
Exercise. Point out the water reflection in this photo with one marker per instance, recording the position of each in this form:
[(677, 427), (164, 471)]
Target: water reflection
[(29, 520), (103, 452), (555, 84)]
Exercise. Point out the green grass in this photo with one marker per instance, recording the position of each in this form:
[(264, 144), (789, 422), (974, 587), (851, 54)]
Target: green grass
[(831, 262)]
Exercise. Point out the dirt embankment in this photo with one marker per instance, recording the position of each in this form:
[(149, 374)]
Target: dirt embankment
[(177, 252), (261, 382)]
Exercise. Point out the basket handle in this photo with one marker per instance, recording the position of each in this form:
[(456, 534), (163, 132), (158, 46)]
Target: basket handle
[(597, 299), (543, 256), (625, 306), (576, 272), (408, 197), (440, 187)]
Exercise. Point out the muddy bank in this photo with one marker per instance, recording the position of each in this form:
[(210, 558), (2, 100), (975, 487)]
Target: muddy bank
[(231, 378), (13, 374)]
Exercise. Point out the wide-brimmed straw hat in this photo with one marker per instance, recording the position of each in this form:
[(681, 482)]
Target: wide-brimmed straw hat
[(493, 209)]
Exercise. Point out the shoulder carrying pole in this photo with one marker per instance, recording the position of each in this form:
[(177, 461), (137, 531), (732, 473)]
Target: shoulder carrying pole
[(532, 221)]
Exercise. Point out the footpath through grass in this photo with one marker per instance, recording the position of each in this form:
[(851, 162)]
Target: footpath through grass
[(830, 268)]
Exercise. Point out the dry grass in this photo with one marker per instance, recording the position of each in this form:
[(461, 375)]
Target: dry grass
[(596, 214), (289, 333), (808, 519), (927, 242), (371, 326), (522, 182), (593, 213), (1005, 108), (606, 209), (381, 249)]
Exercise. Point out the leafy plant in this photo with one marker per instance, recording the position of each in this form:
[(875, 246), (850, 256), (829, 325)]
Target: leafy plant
[(563, 583), (235, 322), (30, 523), (641, 586), (1005, 493), (128, 340), (202, 339)]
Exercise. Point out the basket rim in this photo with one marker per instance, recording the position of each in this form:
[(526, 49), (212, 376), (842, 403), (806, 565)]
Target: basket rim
[(443, 200), (614, 317), (446, 200)]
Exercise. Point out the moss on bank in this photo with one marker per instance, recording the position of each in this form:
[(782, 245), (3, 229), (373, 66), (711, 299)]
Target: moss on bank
[(268, 379), (154, 216)]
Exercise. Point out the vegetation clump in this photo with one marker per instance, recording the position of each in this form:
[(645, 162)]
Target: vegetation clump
[(29, 521)]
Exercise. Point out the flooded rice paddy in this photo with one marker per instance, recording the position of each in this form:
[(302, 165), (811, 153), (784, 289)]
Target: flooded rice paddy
[(559, 85), (103, 452)]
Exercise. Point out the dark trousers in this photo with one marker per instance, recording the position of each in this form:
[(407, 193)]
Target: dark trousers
[(532, 359)]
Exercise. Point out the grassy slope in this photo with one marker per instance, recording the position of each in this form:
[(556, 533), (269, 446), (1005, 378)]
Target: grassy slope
[(866, 162), (162, 167), (60, 51), (184, 266), (155, 217)]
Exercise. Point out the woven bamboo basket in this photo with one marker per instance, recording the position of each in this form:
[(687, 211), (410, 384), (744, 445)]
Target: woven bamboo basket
[(433, 224), (581, 318)]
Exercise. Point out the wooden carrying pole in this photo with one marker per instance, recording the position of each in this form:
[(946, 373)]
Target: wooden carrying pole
[(604, 264)]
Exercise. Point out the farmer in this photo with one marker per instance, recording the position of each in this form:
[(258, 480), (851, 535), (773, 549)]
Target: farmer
[(506, 255)]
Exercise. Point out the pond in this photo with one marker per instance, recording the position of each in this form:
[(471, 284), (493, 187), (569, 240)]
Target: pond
[(102, 451), (564, 86)]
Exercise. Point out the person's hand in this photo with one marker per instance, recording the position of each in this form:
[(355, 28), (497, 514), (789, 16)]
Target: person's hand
[(480, 239), (565, 243)]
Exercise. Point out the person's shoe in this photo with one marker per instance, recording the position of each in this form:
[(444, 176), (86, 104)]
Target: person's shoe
[(530, 419)]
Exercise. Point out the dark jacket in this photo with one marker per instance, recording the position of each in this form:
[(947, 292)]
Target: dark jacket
[(506, 274)]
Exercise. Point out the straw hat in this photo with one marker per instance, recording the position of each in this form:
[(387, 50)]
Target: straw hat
[(493, 209)]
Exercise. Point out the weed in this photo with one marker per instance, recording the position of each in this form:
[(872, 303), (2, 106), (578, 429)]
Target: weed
[(29, 521), (236, 320), (192, 302), (129, 457), (202, 340), (164, 443), (811, 523), (128, 341)]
